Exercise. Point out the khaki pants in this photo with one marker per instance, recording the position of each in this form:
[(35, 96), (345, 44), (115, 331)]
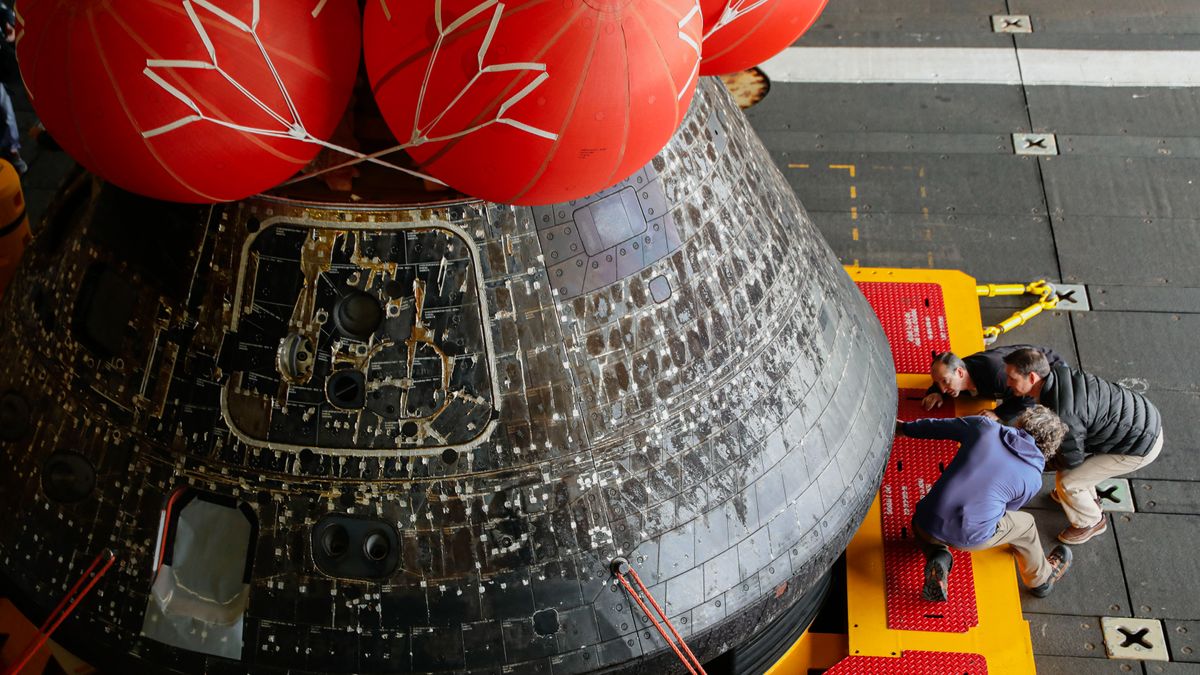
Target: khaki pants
[(1018, 530), (1077, 487)]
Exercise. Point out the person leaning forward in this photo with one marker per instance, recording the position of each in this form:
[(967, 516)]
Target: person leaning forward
[(974, 503), (1111, 431), (982, 375)]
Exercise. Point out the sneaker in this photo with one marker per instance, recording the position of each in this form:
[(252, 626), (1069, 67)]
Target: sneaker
[(937, 575), (1078, 535), (1060, 561)]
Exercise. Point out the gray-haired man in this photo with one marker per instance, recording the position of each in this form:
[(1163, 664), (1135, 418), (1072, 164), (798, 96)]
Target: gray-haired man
[(982, 375)]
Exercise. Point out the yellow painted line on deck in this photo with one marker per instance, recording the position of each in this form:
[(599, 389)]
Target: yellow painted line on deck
[(853, 213), (853, 192), (854, 233), (847, 167), (797, 166)]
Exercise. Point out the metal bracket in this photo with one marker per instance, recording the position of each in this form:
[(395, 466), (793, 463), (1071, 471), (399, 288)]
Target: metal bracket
[(1114, 495), (1126, 638), (1072, 298), (1035, 144), (1011, 23)]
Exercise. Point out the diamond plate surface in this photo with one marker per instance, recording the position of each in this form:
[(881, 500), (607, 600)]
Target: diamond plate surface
[(914, 466), (914, 319), (912, 663)]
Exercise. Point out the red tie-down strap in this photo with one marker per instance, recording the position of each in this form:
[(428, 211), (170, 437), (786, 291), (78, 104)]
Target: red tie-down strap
[(70, 601), (621, 568)]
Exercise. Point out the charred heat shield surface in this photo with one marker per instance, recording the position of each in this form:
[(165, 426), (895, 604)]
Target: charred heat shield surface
[(447, 419)]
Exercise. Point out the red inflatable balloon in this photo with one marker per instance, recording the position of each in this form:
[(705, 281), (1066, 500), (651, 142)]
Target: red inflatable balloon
[(739, 34), (534, 102), (190, 100)]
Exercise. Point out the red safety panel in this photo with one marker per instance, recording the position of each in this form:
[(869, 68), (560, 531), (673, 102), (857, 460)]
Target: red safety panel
[(912, 663), (914, 319), (913, 468)]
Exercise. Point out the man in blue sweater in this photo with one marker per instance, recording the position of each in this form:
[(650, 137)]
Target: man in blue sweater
[(974, 505)]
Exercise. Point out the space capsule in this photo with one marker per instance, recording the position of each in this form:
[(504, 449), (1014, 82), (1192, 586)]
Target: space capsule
[(410, 432)]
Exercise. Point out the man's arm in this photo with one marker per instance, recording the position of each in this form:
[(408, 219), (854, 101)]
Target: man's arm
[(1012, 406), (954, 428)]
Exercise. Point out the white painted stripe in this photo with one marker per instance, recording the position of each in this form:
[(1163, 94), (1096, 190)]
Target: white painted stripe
[(1035, 67)]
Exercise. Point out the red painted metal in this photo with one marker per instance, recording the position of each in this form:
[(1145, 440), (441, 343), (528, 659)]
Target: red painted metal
[(913, 317), (914, 466), (912, 663)]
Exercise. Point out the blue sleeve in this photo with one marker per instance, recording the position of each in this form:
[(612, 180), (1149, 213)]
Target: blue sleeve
[(950, 429)]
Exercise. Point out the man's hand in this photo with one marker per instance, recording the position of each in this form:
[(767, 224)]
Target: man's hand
[(932, 401), (990, 415), (899, 427)]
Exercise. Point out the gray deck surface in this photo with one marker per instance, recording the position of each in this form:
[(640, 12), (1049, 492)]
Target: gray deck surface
[(937, 185)]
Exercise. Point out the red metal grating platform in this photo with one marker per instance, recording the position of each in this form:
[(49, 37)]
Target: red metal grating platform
[(913, 317), (912, 663), (914, 466)]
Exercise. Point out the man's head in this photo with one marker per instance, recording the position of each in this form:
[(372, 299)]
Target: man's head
[(1045, 427), (949, 373), (1025, 369)]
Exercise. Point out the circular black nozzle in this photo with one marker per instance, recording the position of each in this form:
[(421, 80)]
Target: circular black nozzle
[(335, 540), (68, 477), (376, 546), (357, 315)]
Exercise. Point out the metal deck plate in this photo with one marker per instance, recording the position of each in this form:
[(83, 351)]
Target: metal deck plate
[(1116, 111), (1158, 552), (915, 465), (1095, 249), (1165, 496), (914, 319), (1066, 635), (945, 241), (1184, 640), (1142, 351), (1074, 665)]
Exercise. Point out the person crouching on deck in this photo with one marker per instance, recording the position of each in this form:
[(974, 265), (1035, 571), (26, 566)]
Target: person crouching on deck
[(974, 504)]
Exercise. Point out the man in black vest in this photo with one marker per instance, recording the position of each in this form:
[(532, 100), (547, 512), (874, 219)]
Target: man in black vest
[(1111, 431), (982, 375)]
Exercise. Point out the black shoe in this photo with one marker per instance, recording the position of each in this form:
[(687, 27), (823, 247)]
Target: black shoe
[(937, 575), (1060, 561)]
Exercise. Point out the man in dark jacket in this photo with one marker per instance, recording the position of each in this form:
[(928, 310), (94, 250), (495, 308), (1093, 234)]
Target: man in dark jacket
[(982, 375), (1111, 431), (974, 503)]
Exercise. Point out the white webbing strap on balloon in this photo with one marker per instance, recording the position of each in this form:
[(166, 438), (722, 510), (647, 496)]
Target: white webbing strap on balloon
[(734, 10)]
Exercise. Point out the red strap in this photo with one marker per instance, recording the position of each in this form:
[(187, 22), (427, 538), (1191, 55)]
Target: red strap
[(620, 566), (59, 614)]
